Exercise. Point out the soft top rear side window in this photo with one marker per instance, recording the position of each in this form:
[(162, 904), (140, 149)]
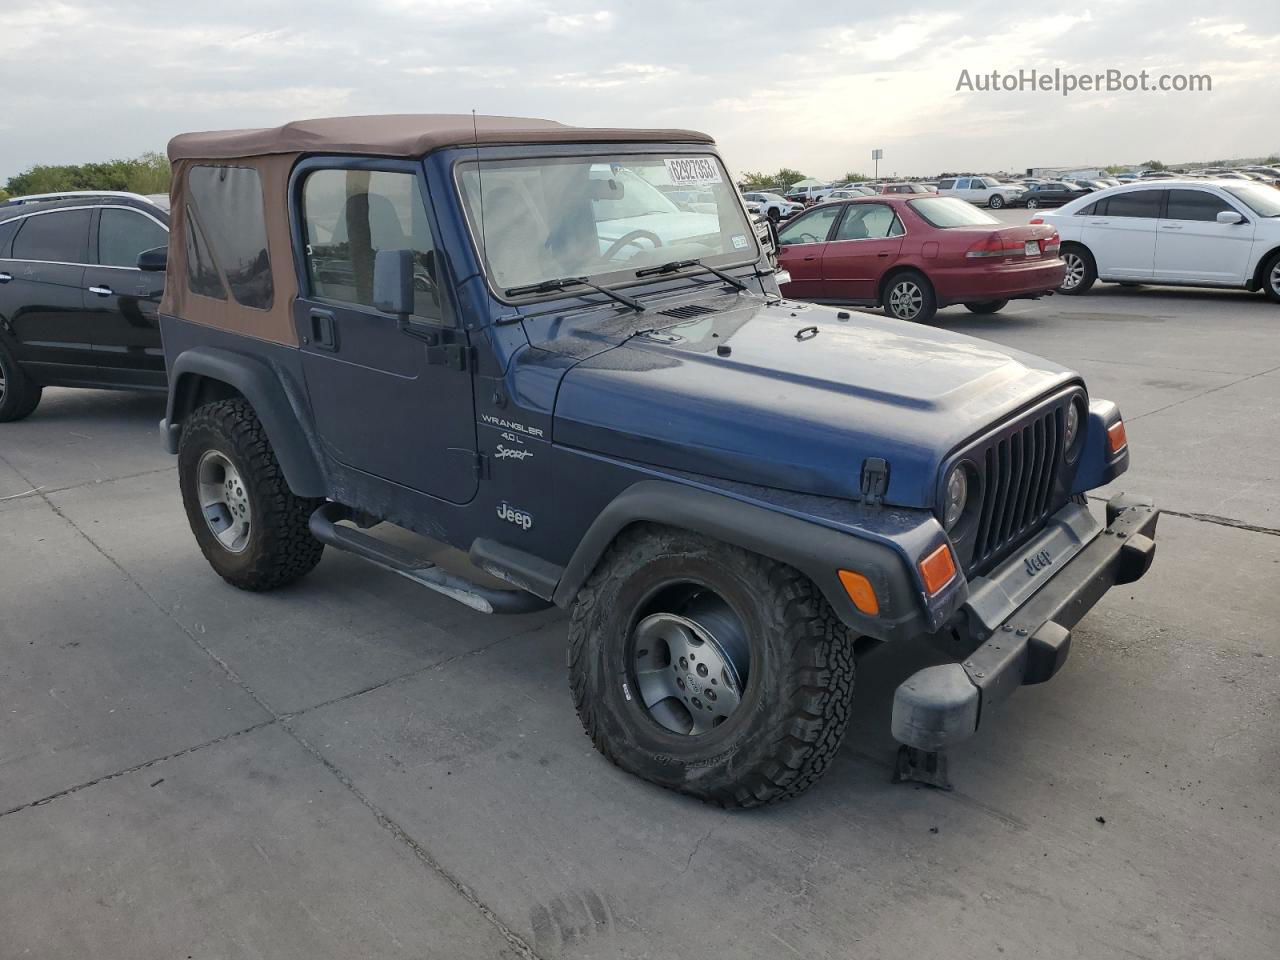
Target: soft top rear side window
[(228, 216)]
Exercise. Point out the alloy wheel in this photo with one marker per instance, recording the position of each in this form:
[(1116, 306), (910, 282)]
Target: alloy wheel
[(1075, 270), (3, 384), (224, 501), (1275, 288), (906, 299), (691, 667)]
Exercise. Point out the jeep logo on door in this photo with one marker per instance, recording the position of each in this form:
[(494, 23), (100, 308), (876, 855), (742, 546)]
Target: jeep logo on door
[(512, 515), (1037, 562)]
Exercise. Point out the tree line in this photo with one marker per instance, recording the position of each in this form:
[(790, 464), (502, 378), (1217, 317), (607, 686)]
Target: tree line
[(148, 173)]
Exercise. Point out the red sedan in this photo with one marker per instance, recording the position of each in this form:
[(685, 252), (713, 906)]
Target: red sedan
[(913, 254)]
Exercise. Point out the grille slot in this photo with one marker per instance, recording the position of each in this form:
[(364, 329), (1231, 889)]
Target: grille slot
[(1019, 470), (687, 312)]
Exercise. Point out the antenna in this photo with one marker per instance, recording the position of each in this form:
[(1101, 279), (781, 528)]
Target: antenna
[(475, 135)]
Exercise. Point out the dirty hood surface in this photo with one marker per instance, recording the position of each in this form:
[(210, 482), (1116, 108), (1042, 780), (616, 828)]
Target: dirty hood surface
[(794, 407)]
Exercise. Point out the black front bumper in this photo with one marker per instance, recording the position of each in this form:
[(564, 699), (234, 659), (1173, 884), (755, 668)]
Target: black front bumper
[(942, 705)]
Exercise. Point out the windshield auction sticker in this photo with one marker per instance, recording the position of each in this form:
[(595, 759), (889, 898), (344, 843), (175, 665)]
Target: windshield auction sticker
[(693, 170)]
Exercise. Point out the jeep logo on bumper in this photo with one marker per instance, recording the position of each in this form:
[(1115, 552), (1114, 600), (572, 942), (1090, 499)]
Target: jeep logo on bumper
[(512, 515), (1037, 562)]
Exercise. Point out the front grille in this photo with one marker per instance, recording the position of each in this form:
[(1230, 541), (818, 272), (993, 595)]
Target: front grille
[(1020, 479)]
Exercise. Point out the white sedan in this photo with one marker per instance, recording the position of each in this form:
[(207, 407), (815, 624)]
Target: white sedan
[(1200, 233)]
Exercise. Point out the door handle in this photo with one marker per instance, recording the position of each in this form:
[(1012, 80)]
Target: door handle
[(5, 277), (101, 291), (810, 258), (1170, 226), (883, 253), (323, 332)]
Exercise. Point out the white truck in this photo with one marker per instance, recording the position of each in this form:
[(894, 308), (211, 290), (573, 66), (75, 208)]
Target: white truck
[(983, 191)]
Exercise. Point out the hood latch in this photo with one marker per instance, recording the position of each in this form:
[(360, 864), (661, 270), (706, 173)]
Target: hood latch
[(875, 479)]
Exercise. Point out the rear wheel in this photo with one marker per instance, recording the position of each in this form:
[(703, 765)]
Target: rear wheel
[(19, 394), (995, 202), (1271, 278), (1081, 273), (988, 306), (910, 296), (774, 214), (250, 526), (707, 669)]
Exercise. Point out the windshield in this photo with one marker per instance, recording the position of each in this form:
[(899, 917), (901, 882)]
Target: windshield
[(544, 219), (950, 212), (1264, 201)]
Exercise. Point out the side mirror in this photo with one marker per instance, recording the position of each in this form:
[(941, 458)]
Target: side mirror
[(1230, 217), (393, 282), (154, 260)]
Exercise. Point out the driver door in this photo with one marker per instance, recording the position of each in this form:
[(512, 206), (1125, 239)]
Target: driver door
[(801, 246), (385, 403)]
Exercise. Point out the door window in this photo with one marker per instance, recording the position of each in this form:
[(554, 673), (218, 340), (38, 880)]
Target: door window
[(962, 184), (812, 227), (123, 234), (58, 237), (349, 215), (1196, 205), (1143, 204), (7, 230), (946, 184), (867, 221)]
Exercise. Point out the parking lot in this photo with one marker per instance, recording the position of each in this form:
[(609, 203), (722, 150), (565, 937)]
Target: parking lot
[(356, 767)]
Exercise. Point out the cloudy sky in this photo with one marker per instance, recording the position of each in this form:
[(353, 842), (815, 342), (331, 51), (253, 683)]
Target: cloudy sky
[(814, 85)]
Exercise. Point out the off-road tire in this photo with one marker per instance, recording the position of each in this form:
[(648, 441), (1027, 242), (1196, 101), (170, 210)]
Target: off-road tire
[(987, 306), (1090, 270), (20, 395), (796, 704), (1271, 278), (280, 548)]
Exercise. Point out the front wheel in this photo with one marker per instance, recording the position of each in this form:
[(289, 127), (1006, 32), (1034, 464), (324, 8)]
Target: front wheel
[(774, 214), (987, 306), (910, 296), (1032, 203), (709, 670), (1271, 278), (250, 526), (1081, 273), (19, 395), (996, 201)]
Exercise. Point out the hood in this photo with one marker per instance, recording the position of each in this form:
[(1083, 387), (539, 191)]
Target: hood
[(800, 399)]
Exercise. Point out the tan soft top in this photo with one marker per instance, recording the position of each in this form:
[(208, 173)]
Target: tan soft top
[(403, 135)]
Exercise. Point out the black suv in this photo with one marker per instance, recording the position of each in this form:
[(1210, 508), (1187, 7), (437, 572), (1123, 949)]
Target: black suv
[(75, 310)]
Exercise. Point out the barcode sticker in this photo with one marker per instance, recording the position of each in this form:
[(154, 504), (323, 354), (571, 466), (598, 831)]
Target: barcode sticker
[(693, 170)]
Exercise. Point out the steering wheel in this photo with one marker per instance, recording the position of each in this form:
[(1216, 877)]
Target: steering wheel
[(630, 239)]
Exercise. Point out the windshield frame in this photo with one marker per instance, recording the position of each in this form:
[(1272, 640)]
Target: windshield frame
[(466, 157)]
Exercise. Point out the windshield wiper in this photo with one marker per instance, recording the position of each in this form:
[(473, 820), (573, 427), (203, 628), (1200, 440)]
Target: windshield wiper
[(675, 265), (547, 286)]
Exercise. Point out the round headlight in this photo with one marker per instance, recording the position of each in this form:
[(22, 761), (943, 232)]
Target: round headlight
[(1073, 425), (957, 493)]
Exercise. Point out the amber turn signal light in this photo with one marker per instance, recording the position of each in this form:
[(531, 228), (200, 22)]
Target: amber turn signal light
[(860, 592), (937, 569), (1116, 438)]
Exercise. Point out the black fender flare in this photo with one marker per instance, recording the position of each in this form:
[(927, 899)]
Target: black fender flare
[(817, 551), (268, 392)]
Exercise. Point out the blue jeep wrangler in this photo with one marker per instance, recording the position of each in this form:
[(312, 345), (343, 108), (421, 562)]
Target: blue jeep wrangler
[(563, 351)]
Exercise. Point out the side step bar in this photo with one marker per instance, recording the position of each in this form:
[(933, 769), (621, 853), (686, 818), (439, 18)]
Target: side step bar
[(324, 527)]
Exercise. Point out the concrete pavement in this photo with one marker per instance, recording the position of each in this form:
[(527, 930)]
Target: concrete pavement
[(356, 767)]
